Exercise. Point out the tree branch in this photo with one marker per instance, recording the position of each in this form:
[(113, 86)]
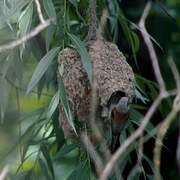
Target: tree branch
[(150, 47), (25, 38), (38, 6), (3, 174)]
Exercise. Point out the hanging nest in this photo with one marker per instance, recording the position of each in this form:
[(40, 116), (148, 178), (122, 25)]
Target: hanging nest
[(111, 72)]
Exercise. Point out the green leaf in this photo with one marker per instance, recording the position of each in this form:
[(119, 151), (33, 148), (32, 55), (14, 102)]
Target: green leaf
[(65, 104), (65, 150), (149, 162), (136, 118), (48, 159), (135, 41), (4, 96), (6, 64), (134, 174), (80, 173), (15, 7), (122, 136), (24, 21), (73, 2), (23, 161), (44, 170), (25, 175), (154, 40), (128, 33), (24, 138), (85, 58), (42, 67), (50, 9), (140, 96), (49, 35), (53, 105)]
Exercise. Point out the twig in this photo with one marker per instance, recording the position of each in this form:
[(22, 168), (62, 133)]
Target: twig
[(150, 47), (94, 126), (166, 123), (161, 133), (25, 38), (41, 18), (178, 151), (3, 174), (92, 152), (92, 33), (175, 72)]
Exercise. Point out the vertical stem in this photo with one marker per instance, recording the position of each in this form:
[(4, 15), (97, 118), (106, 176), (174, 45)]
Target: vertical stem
[(64, 22), (92, 33)]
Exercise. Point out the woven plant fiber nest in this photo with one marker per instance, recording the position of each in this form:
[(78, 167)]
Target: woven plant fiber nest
[(111, 72)]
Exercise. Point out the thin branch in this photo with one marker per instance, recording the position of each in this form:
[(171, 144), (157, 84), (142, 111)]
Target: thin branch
[(94, 126), (92, 33), (150, 47), (161, 133), (175, 72), (93, 153), (3, 174), (178, 151), (38, 6), (25, 38)]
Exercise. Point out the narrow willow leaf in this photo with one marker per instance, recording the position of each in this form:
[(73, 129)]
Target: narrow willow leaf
[(28, 134), (85, 58), (127, 32), (4, 96), (6, 64), (140, 96), (122, 137), (40, 86), (136, 118), (81, 172), (50, 9), (42, 67), (135, 41), (44, 170), (65, 104), (24, 22), (49, 35), (23, 161), (146, 158), (16, 65), (48, 159), (15, 8), (154, 40), (73, 2), (24, 175), (65, 150), (25, 19), (134, 174), (53, 105)]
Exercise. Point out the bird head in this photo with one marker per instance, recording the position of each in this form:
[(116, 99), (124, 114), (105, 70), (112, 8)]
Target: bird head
[(123, 105)]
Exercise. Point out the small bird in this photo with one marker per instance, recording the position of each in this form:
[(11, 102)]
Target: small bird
[(119, 112)]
